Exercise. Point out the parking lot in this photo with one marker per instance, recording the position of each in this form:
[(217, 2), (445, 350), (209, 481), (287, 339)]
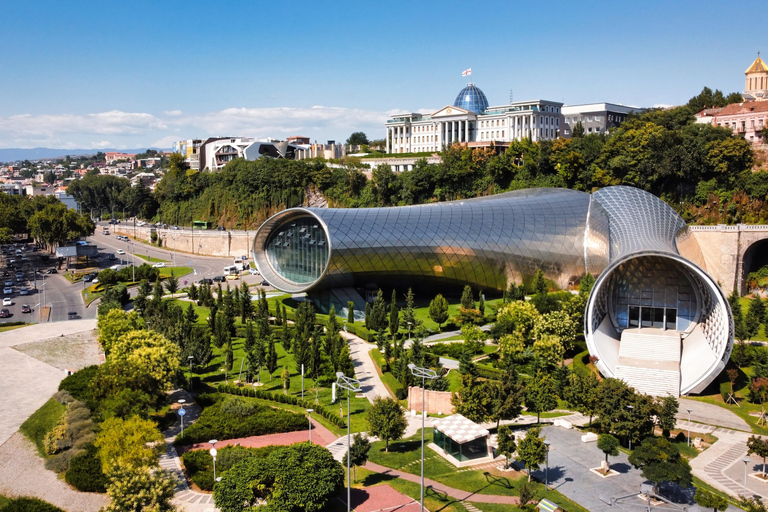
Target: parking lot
[(23, 274)]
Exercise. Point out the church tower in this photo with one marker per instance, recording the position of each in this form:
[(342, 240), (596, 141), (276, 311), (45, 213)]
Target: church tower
[(756, 88)]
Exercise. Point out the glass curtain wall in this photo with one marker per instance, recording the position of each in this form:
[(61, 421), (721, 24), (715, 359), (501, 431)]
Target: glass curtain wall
[(298, 250)]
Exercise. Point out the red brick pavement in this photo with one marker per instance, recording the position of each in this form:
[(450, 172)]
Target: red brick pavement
[(456, 494), (320, 436), (381, 498)]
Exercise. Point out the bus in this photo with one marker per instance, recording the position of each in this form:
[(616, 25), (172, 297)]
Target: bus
[(202, 224)]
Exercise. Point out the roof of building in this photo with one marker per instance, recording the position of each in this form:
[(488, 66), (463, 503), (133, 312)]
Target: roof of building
[(758, 66), (471, 98), (459, 428), (737, 108)]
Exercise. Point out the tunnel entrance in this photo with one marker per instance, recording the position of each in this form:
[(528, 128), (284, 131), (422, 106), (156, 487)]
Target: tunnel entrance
[(754, 274)]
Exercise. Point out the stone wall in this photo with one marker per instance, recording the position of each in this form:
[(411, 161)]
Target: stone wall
[(226, 244), (438, 402)]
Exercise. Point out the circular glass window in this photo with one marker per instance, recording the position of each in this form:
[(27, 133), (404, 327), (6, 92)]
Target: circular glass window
[(298, 250)]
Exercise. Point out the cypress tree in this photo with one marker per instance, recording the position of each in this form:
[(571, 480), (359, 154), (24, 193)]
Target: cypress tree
[(467, 299), (394, 315), (350, 312)]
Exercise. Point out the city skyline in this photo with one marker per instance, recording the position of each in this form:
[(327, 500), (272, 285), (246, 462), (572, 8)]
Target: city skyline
[(103, 76)]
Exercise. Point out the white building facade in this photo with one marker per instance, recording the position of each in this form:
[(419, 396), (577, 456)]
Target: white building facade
[(470, 120)]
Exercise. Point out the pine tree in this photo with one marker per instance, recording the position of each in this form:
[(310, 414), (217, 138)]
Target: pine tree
[(438, 310), (345, 363), (539, 283), (250, 336), (740, 332), (367, 315), (285, 315), (246, 305), (271, 358), (285, 376), (333, 340), (379, 313), (316, 353), (409, 317), (350, 312), (481, 305), (286, 340), (278, 314), (754, 316), (467, 299), (394, 315)]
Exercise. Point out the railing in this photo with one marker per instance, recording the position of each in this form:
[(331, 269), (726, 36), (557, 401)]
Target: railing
[(737, 227)]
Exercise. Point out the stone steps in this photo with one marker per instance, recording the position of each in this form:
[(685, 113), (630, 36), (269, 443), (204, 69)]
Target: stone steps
[(650, 381)]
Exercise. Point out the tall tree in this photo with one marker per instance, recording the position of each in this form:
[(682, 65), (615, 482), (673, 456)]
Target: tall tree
[(394, 315), (271, 360), (386, 420), (358, 452), (609, 445), (172, 284), (738, 316), (755, 316), (473, 400), (467, 298), (378, 320), (531, 450), (539, 283), (409, 317), (350, 312), (506, 441), (508, 396), (758, 446), (667, 407), (246, 304), (660, 461), (541, 394)]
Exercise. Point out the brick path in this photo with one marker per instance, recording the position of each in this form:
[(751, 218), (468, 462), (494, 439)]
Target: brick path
[(320, 436), (380, 498), (456, 494)]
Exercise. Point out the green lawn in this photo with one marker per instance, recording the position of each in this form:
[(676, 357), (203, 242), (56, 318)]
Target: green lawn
[(4, 328), (405, 455), (41, 422), (387, 378), (150, 259), (177, 271)]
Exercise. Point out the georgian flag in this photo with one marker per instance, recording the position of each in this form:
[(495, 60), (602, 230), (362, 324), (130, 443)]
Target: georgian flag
[(466, 72)]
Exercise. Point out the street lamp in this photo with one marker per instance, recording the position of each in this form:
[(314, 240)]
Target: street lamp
[(689, 427), (745, 460), (350, 385), (631, 409), (546, 468), (424, 373), (182, 412), (309, 411), (213, 453)]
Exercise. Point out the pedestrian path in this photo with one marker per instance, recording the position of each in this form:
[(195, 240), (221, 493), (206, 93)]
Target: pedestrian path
[(439, 488), (365, 368)]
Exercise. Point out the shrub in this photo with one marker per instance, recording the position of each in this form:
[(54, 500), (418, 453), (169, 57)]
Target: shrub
[(199, 463), (237, 407), (59, 462), (85, 473), (725, 390), (41, 422), (63, 397), (126, 403), (79, 383), (30, 505), (215, 424)]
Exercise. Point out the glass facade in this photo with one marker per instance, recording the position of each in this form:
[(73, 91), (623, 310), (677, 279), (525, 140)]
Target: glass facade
[(472, 98), (298, 250), (470, 450)]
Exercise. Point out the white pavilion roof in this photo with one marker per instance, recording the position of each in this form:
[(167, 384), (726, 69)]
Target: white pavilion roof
[(459, 428)]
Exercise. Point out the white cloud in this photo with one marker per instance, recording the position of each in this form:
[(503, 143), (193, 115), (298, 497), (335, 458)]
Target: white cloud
[(120, 129)]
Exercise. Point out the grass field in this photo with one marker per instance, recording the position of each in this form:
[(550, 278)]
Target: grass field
[(41, 422), (150, 259), (405, 455), (11, 327)]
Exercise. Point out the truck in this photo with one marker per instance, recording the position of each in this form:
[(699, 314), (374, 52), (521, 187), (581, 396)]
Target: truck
[(241, 265)]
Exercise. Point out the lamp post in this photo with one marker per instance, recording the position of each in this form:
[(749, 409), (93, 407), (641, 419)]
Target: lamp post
[(213, 453), (745, 460), (424, 373), (546, 468), (631, 409), (350, 385), (182, 412), (309, 411), (689, 427)]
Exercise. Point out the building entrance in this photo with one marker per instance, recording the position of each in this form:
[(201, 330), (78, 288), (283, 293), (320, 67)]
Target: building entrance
[(656, 317)]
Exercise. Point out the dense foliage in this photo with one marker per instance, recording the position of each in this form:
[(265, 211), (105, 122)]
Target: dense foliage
[(199, 463), (235, 417), (25, 504)]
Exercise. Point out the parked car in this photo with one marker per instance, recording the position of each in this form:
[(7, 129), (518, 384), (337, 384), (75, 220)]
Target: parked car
[(174, 227), (24, 291), (7, 301), (254, 272), (221, 228), (205, 280), (120, 251), (73, 315), (4, 313), (51, 271), (219, 279), (159, 265), (7, 291), (26, 309), (111, 256), (265, 283), (9, 283), (232, 277)]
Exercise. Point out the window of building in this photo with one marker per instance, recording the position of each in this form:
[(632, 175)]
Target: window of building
[(502, 134)]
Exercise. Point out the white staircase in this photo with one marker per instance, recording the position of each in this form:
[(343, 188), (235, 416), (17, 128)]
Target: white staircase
[(649, 361)]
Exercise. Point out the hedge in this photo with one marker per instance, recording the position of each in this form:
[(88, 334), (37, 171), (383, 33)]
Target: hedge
[(29, 505), (326, 412), (85, 473), (199, 463), (262, 420), (489, 373)]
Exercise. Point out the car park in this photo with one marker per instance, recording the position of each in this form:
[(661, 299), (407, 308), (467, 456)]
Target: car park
[(26, 309), (159, 265), (4, 313), (7, 301)]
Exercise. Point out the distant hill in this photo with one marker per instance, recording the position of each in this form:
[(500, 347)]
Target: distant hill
[(19, 154)]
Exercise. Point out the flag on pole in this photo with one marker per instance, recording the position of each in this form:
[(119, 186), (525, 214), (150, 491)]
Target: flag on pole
[(466, 72)]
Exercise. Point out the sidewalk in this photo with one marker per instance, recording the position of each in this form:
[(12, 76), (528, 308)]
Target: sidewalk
[(365, 368)]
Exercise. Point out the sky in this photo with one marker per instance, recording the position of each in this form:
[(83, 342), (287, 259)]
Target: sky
[(140, 74)]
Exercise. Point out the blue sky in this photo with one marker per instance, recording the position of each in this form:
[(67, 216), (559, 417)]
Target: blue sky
[(134, 74)]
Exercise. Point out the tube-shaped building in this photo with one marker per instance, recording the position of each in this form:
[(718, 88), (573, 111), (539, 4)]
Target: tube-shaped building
[(654, 318)]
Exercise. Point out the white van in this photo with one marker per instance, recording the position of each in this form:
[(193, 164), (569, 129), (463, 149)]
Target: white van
[(231, 270)]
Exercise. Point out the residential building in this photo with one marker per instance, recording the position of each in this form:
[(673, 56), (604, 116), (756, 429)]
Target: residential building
[(112, 157), (215, 153), (595, 117), (298, 139), (470, 120), (330, 151)]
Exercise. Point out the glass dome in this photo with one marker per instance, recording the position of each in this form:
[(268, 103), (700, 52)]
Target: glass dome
[(472, 98)]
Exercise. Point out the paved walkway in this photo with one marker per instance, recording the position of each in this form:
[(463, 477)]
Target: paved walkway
[(23, 473), (365, 368), (710, 414), (27, 383), (380, 498), (439, 488)]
